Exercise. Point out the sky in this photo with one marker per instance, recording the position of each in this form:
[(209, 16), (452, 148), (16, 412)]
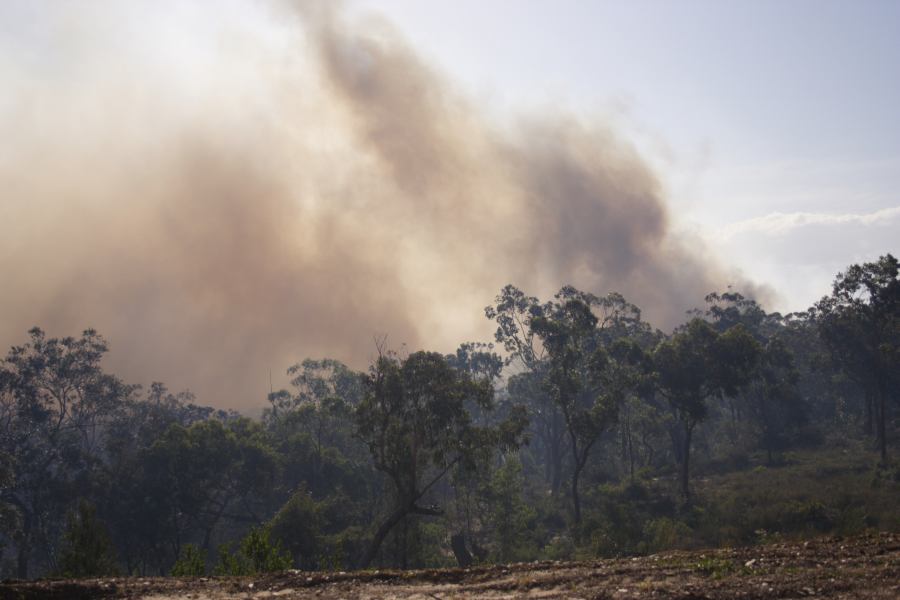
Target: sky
[(223, 193), (774, 124)]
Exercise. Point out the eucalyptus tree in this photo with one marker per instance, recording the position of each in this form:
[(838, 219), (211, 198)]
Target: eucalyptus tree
[(698, 364), (413, 419), (860, 325), (593, 364), (514, 311), (209, 472), (771, 398), (56, 404)]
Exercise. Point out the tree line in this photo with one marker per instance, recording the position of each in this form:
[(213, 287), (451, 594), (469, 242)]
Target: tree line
[(575, 435)]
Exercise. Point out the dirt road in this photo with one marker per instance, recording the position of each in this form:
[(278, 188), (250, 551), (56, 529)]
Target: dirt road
[(858, 567)]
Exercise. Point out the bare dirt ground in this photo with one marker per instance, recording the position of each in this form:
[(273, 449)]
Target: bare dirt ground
[(859, 567)]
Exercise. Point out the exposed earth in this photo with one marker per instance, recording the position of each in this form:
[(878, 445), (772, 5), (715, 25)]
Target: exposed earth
[(858, 567)]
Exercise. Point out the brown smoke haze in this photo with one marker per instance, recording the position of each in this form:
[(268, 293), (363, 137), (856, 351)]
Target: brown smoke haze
[(221, 209)]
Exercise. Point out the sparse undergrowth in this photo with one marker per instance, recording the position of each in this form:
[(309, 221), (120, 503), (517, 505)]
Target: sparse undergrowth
[(866, 566)]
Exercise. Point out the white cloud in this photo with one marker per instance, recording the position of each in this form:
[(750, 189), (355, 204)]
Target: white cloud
[(779, 224)]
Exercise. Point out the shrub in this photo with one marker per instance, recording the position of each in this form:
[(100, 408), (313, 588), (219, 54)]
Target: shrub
[(191, 562), (664, 534), (87, 550), (263, 555), (257, 554)]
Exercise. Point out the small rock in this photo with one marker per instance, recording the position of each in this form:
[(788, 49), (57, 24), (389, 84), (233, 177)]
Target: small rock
[(750, 563)]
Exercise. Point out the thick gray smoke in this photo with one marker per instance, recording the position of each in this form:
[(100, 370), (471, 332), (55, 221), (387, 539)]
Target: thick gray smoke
[(222, 207)]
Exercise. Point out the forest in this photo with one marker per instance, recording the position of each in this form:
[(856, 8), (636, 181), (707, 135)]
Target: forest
[(580, 431)]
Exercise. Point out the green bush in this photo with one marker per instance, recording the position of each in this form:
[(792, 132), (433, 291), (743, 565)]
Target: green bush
[(257, 554), (665, 533), (263, 555), (512, 518), (298, 527), (230, 564), (807, 516), (191, 562), (86, 549)]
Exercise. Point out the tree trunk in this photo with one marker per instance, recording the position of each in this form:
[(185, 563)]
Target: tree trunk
[(463, 556), (576, 501), (556, 457), (577, 465), (685, 462), (390, 523), (869, 420), (631, 456), (882, 417), (734, 432), (556, 452), (24, 547), (382, 532), (766, 426)]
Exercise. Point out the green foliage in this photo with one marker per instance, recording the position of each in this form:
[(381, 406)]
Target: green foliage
[(55, 405), (716, 568), (256, 554), (620, 516), (191, 562), (860, 325), (262, 555), (817, 492), (415, 422), (696, 365), (86, 548), (512, 520), (229, 563), (664, 533), (298, 527)]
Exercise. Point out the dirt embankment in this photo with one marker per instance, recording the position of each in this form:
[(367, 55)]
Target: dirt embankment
[(859, 567)]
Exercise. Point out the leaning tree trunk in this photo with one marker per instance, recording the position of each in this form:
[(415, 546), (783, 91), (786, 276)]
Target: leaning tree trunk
[(407, 509), (382, 532)]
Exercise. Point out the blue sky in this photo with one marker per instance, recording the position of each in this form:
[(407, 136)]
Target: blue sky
[(774, 125)]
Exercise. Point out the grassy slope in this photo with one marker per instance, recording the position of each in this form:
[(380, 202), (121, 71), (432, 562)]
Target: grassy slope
[(839, 490)]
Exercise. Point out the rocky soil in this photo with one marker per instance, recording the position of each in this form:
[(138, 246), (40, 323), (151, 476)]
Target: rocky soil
[(859, 567)]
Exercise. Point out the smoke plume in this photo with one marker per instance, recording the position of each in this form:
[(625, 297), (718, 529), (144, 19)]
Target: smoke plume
[(290, 185)]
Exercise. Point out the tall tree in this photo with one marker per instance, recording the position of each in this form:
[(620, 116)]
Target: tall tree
[(590, 366), (55, 407), (696, 365), (414, 421), (197, 477), (514, 311), (860, 324), (771, 396)]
